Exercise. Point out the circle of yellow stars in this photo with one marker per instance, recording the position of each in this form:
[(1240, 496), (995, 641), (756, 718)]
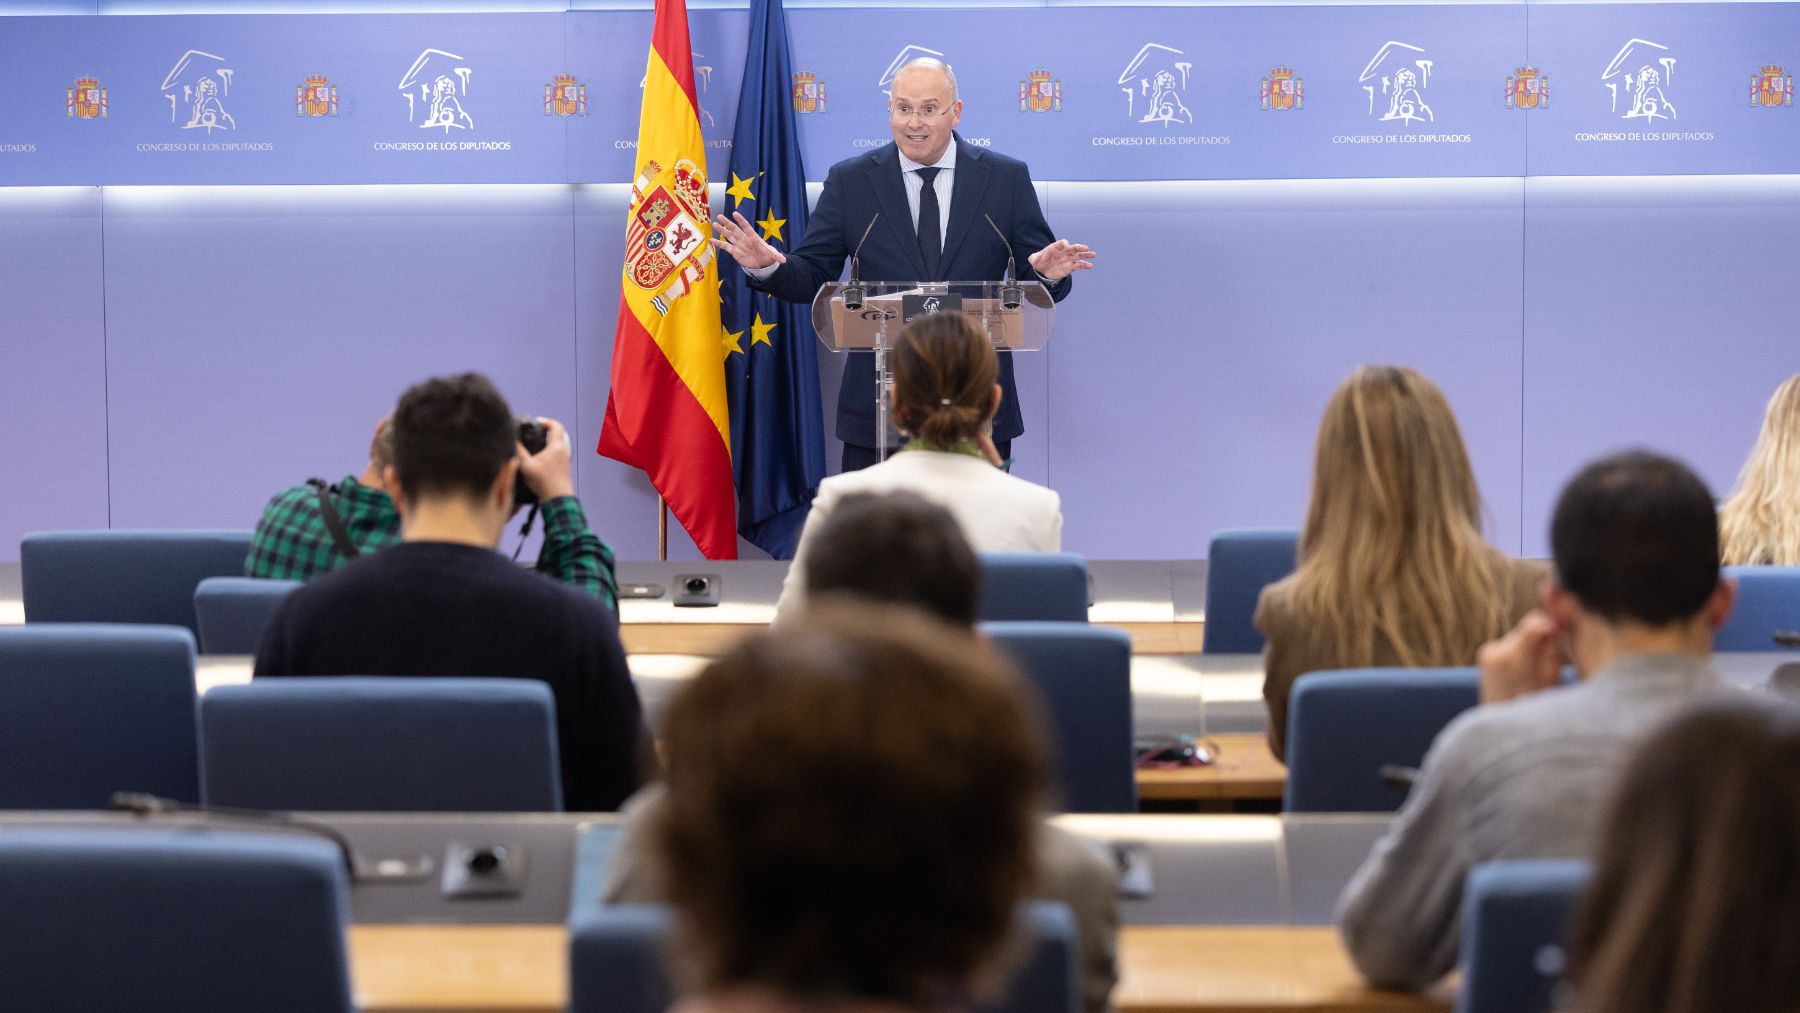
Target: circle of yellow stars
[(740, 191)]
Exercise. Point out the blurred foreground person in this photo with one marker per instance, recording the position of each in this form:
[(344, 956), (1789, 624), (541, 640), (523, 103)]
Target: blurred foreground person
[(849, 817), (1695, 902)]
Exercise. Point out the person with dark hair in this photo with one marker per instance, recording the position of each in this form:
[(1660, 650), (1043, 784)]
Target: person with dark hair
[(295, 537), (905, 552), (899, 548), (1695, 902), (945, 396), (874, 855), (1636, 598), (444, 603)]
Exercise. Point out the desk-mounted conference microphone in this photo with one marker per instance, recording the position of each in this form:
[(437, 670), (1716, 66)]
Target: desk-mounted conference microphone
[(854, 293)]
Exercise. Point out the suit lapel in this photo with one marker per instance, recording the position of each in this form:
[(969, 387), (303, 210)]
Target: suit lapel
[(890, 193), (967, 184)]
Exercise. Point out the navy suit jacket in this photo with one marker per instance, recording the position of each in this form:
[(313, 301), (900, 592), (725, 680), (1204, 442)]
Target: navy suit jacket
[(856, 189)]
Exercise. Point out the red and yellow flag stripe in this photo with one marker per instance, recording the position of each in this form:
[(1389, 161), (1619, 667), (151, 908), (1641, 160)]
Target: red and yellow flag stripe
[(666, 412)]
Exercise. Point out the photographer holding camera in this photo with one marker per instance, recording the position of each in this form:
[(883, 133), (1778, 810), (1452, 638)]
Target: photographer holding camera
[(315, 528), (443, 602)]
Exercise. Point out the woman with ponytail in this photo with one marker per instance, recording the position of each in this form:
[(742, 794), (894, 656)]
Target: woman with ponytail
[(946, 392)]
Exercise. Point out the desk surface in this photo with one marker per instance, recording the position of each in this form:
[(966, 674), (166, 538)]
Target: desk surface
[(1163, 969), (1244, 769)]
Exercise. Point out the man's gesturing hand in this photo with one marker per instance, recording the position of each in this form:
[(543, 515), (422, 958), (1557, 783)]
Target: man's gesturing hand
[(1061, 259), (736, 236)]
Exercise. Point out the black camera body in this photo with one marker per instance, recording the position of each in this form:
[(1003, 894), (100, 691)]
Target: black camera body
[(534, 438)]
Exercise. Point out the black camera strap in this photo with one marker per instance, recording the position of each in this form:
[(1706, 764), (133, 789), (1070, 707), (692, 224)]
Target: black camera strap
[(333, 523)]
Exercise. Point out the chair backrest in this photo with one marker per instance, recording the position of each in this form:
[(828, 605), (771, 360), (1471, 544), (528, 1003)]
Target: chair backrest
[(1345, 725), (233, 611), (124, 576), (1023, 586), (90, 709), (1084, 674), (367, 744), (171, 920), (617, 961), (1515, 921), (1239, 564), (1768, 600)]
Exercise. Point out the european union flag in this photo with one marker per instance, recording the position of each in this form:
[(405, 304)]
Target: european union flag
[(771, 369)]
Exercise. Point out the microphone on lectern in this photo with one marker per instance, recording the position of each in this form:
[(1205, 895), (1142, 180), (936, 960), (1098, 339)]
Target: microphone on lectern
[(853, 292), (1010, 294)]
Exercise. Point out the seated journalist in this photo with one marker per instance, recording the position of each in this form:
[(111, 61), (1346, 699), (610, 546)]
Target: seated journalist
[(443, 602), (849, 816), (901, 549), (1634, 602)]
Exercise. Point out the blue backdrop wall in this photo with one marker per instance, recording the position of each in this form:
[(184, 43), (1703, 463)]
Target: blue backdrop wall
[(194, 316)]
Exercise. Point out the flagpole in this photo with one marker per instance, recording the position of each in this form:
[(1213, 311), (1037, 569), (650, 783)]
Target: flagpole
[(662, 530)]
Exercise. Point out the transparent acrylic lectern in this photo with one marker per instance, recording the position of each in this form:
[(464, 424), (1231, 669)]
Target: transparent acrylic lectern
[(866, 318)]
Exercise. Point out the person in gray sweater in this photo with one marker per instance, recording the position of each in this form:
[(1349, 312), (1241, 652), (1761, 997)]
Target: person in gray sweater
[(1636, 598)]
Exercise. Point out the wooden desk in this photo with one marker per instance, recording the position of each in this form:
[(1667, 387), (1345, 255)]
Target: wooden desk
[(712, 639), (1245, 769), (1163, 969), (1247, 969)]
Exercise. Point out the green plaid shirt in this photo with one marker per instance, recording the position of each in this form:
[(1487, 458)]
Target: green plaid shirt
[(293, 543)]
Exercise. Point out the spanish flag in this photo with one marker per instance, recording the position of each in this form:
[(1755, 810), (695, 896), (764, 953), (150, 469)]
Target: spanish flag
[(666, 413)]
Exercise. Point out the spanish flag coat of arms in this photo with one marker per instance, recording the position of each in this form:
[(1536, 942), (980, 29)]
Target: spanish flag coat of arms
[(666, 412)]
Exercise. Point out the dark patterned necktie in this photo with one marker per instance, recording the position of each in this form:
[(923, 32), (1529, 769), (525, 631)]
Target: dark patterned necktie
[(931, 243)]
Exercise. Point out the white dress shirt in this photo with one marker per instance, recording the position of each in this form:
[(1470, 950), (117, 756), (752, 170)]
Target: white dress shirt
[(915, 184)]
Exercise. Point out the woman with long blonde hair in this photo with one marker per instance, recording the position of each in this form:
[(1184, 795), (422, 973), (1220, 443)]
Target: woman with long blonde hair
[(1760, 524), (1393, 567)]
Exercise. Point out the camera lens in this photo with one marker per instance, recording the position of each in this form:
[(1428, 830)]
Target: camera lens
[(696, 585)]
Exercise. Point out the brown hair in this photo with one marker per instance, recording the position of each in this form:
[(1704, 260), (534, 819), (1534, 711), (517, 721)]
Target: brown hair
[(452, 436), (944, 374), (899, 548), (1760, 523), (1392, 546), (851, 808), (1695, 901)]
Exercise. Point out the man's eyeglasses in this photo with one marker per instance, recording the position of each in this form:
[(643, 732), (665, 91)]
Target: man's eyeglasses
[(929, 114)]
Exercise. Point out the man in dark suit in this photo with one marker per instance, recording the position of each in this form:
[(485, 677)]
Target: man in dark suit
[(931, 190)]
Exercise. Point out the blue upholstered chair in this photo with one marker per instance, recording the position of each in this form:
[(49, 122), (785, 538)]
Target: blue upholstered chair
[(362, 744), (171, 921), (1515, 920), (1239, 564), (233, 611), (1084, 674), (616, 961), (1345, 725), (89, 709), (1768, 600), (1023, 586), (124, 576)]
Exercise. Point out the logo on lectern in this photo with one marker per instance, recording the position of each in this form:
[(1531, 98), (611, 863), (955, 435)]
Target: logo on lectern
[(87, 100), (1528, 89), (315, 96), (1040, 92), (1283, 90), (1772, 87)]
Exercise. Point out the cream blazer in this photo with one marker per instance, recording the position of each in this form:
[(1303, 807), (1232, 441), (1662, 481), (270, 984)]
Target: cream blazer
[(997, 512)]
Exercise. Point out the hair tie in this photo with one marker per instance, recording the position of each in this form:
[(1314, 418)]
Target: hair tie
[(943, 400)]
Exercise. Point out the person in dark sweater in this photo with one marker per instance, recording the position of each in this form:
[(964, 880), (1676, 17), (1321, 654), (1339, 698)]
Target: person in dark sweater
[(444, 603)]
